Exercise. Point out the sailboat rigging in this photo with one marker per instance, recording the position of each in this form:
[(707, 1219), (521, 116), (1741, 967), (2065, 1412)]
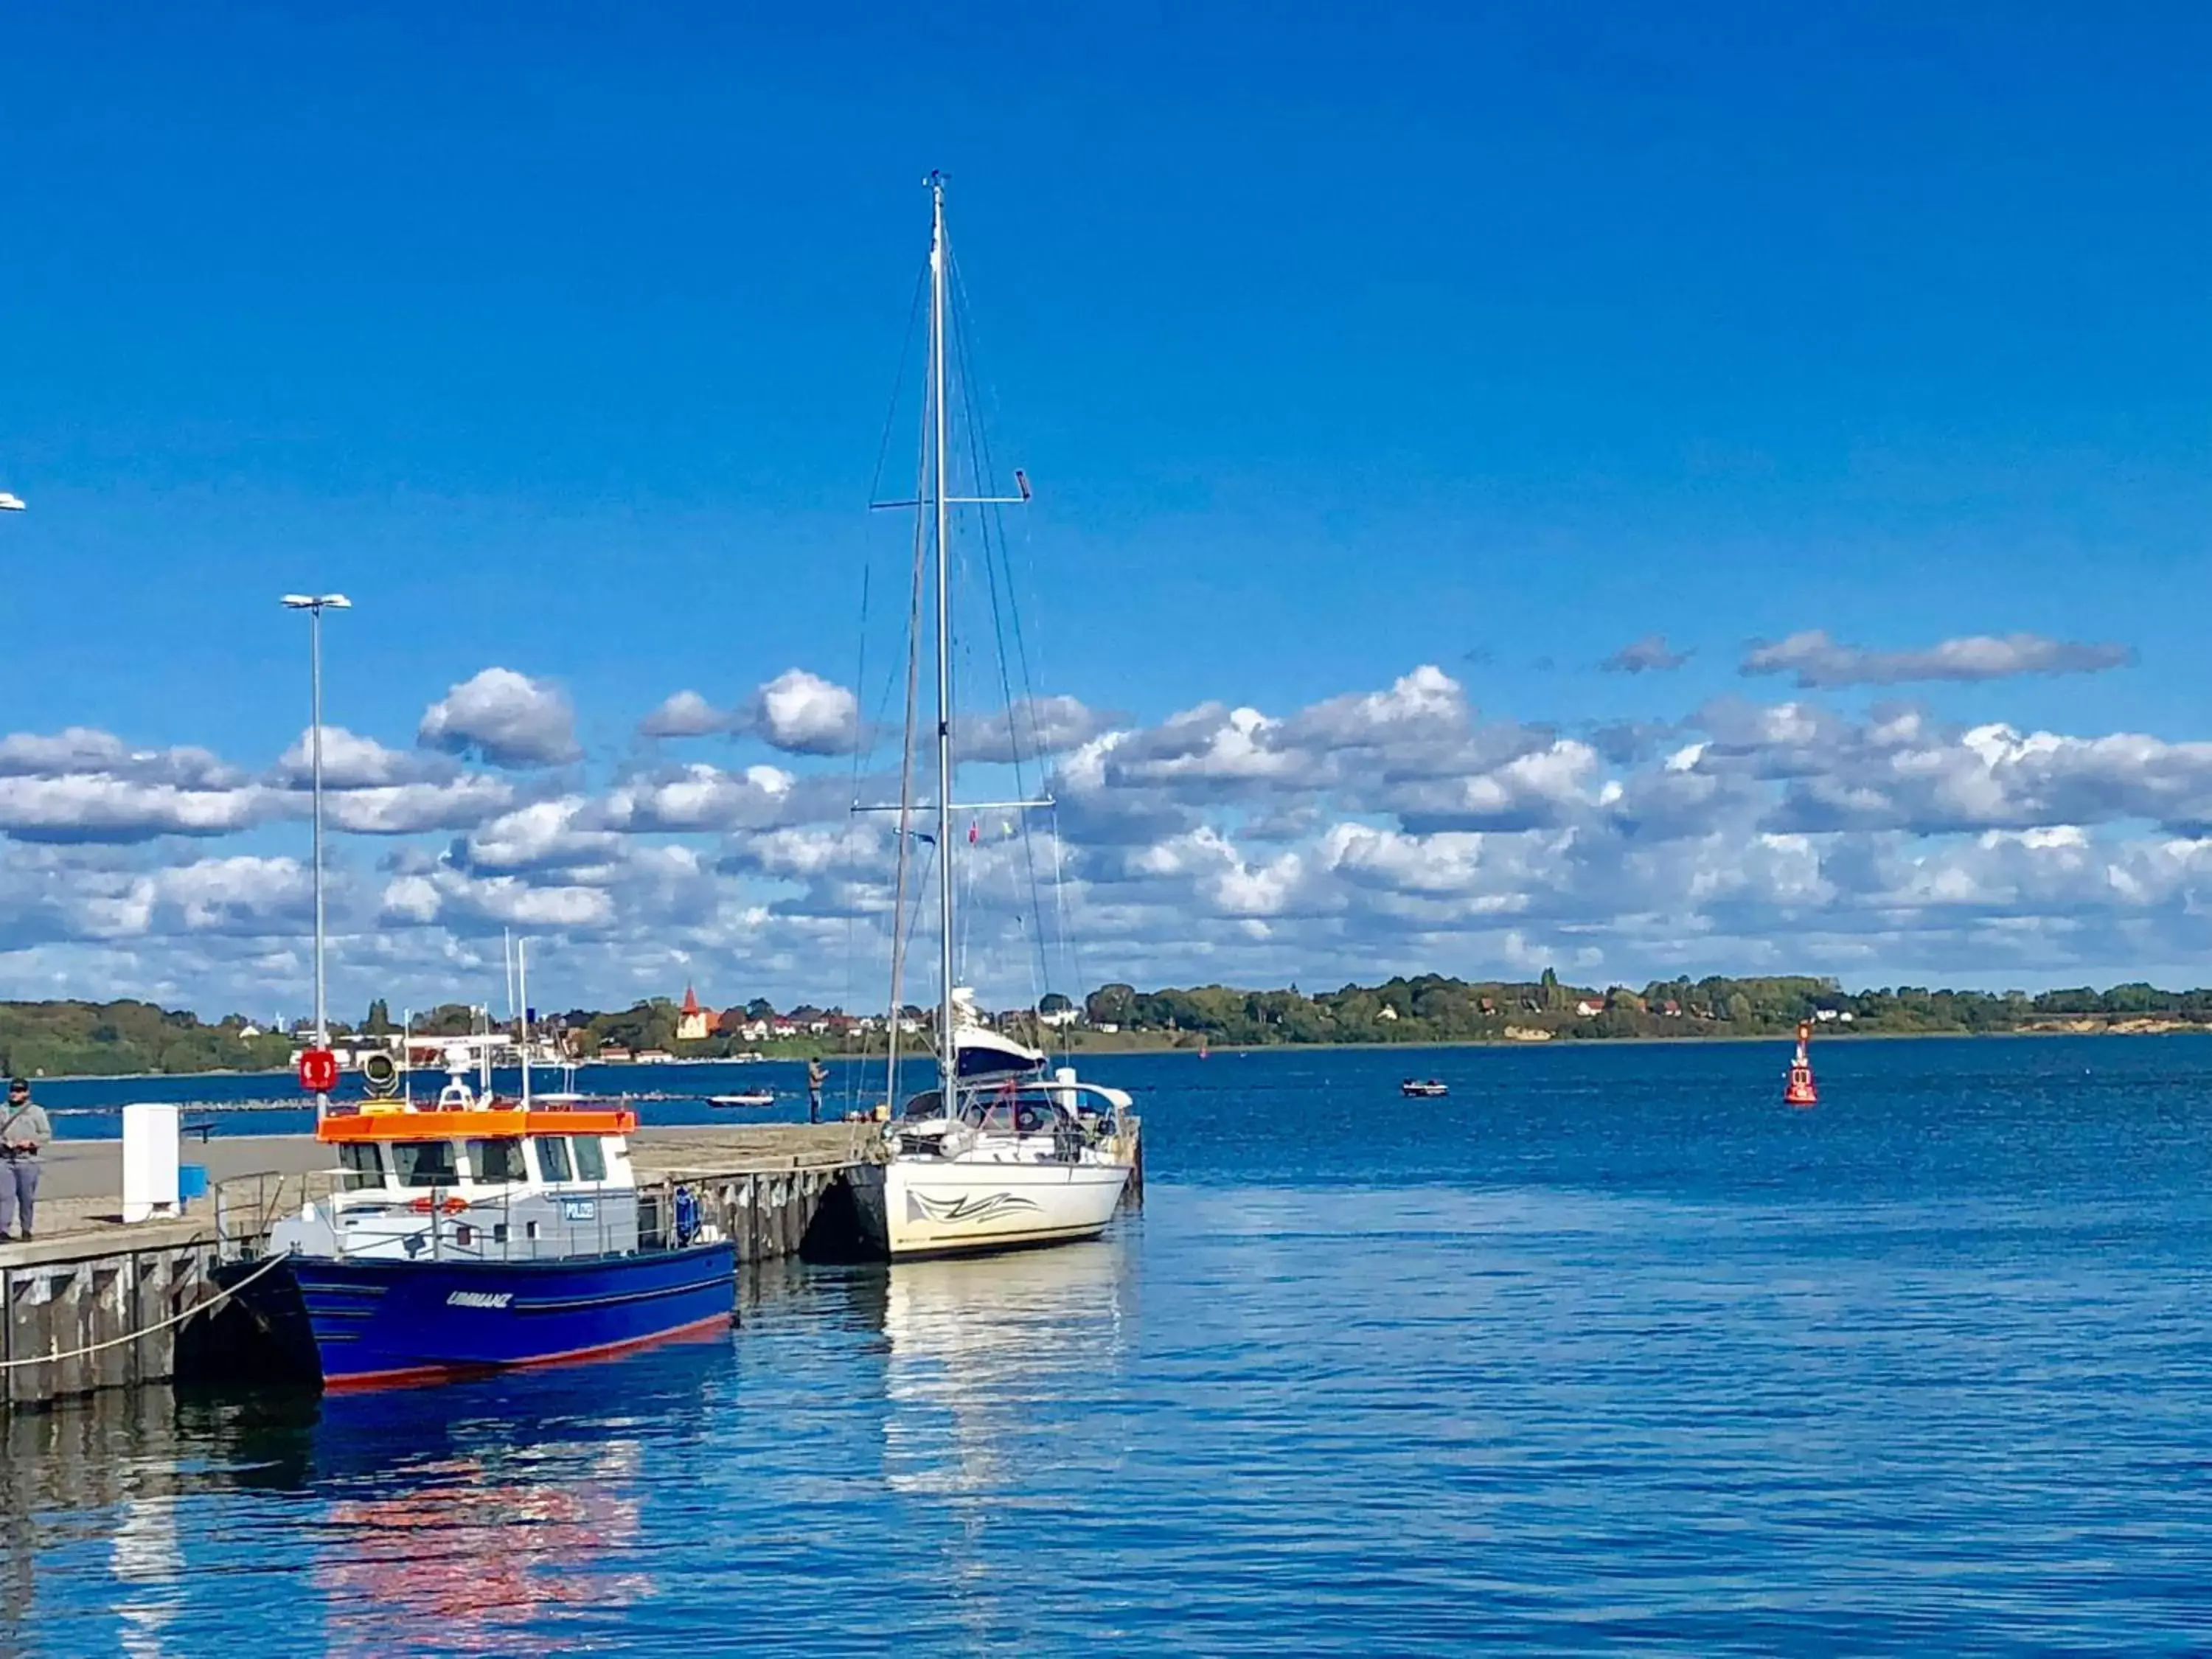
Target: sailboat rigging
[(997, 1154)]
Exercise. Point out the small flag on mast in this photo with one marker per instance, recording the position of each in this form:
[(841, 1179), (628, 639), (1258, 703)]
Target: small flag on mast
[(973, 834)]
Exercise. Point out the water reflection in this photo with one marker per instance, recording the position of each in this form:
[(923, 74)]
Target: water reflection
[(109, 1473), (461, 1518), (991, 1357), (503, 1514), (477, 1551), (991, 1369)]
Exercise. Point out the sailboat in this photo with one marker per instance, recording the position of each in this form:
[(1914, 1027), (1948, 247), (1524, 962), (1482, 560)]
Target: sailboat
[(1000, 1154)]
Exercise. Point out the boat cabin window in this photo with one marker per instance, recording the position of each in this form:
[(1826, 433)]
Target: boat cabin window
[(1011, 1114), (424, 1163), (553, 1157), (360, 1164), (497, 1161), (591, 1159)]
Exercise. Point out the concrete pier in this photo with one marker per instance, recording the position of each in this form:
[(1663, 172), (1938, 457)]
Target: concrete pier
[(69, 1294), (90, 1280)]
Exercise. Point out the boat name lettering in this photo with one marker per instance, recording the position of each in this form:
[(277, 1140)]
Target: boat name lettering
[(579, 1209), (479, 1298)]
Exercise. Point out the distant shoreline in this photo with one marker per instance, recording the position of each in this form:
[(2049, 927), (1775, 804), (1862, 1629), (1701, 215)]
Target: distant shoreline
[(1826, 1036)]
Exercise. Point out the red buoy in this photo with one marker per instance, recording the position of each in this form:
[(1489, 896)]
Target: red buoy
[(1799, 1091)]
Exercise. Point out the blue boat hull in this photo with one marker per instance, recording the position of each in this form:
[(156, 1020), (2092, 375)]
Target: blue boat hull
[(375, 1322)]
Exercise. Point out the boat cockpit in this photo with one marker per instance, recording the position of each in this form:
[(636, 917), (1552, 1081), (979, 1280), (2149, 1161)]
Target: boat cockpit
[(1024, 1119)]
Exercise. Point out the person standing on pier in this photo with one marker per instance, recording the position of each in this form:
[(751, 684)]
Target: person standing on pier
[(24, 1133), (816, 1075)]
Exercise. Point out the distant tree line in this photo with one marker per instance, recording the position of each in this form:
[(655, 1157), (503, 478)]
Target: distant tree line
[(1432, 1008), (56, 1039)]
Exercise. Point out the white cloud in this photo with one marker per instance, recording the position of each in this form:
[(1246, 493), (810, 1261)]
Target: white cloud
[(803, 713), (99, 806), (409, 809), (701, 798), (1426, 705), (686, 714), (352, 762), (1817, 660), (1369, 832), (547, 835), (1033, 728), (453, 898), (508, 719), (1528, 792)]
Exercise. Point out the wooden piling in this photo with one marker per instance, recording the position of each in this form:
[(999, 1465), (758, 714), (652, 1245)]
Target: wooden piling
[(108, 1313)]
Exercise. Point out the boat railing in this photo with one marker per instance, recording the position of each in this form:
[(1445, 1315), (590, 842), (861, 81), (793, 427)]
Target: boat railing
[(248, 1206), (488, 1228)]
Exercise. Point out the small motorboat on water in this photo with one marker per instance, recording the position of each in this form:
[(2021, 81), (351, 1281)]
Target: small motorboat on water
[(1419, 1089), (475, 1234), (747, 1098)]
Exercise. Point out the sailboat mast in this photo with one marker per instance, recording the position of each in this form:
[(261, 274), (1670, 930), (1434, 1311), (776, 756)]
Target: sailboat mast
[(948, 1054), (522, 979)]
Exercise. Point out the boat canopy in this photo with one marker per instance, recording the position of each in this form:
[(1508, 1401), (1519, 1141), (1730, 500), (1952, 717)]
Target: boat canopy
[(985, 1054)]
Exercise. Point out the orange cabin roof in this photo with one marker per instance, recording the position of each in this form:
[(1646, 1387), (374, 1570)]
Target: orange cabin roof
[(352, 1127)]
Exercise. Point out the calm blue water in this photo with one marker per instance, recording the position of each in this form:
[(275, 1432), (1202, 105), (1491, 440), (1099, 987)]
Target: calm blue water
[(1612, 1352)]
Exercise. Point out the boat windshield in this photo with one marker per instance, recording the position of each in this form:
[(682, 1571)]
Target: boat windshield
[(497, 1161), (362, 1165), (425, 1162), (1014, 1115)]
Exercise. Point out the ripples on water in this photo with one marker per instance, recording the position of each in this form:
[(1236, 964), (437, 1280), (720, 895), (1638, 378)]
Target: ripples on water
[(1612, 1353)]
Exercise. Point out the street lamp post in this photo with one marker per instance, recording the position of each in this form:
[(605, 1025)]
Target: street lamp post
[(314, 606)]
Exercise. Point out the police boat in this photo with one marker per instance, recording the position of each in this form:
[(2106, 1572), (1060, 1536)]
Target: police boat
[(475, 1234)]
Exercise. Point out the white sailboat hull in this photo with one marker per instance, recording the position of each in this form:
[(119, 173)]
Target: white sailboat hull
[(914, 1206)]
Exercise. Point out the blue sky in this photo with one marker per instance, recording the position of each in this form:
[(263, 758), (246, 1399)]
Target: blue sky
[(1339, 344)]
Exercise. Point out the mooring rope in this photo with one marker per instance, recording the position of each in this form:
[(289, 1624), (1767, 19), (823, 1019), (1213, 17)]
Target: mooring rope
[(174, 1319)]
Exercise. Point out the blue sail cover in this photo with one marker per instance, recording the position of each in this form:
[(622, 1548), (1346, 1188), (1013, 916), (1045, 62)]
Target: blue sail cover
[(988, 1054)]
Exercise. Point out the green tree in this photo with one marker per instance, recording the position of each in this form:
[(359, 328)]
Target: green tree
[(1555, 997), (1112, 1005)]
